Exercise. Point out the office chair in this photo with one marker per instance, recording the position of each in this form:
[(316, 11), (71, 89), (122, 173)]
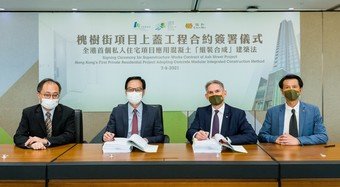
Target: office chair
[(166, 137), (78, 122)]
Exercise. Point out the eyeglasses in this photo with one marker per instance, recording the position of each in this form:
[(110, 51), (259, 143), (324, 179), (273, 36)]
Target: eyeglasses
[(139, 89), (48, 95)]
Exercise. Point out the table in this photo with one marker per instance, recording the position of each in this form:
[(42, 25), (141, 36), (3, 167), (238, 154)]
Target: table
[(173, 164), (26, 166), (312, 165)]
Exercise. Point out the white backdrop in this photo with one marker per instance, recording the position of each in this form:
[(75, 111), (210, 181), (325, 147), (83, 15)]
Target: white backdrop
[(176, 53)]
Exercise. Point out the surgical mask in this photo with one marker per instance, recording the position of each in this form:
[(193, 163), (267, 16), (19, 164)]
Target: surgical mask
[(49, 104), (216, 99), (134, 97), (291, 94)]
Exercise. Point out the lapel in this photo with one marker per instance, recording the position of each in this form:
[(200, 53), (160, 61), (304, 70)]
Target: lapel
[(39, 116), (302, 117), (282, 110), (144, 119), (226, 120), (207, 119), (125, 114), (56, 117)]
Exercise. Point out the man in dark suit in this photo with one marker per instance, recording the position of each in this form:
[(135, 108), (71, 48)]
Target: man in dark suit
[(220, 118), (135, 117), (48, 123), (295, 122)]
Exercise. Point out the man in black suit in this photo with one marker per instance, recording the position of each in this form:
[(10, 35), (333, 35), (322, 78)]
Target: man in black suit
[(135, 117), (48, 123), (220, 118)]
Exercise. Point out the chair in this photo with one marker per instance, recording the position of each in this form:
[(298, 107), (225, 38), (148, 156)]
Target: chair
[(78, 122), (99, 137), (166, 137)]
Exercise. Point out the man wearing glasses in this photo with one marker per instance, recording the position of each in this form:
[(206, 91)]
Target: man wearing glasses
[(135, 117), (48, 123), (220, 118)]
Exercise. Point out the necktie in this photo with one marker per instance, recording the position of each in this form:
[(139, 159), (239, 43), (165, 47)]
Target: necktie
[(48, 123), (134, 129), (293, 125), (216, 126)]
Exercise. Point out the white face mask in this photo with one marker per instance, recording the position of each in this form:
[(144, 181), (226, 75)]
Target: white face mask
[(134, 97), (49, 104)]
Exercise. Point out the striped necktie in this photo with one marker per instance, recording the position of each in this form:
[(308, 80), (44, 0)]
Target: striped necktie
[(48, 123)]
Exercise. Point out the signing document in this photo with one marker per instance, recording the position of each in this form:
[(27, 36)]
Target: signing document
[(215, 145)]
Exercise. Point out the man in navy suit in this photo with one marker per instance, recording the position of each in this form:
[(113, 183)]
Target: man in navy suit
[(135, 117), (307, 127), (48, 123), (220, 118)]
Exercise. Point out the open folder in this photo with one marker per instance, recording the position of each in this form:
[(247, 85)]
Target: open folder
[(215, 145), (125, 145)]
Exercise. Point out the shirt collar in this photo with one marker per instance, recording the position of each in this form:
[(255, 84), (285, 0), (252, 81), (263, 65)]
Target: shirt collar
[(220, 110), (296, 107), (139, 108), (44, 111)]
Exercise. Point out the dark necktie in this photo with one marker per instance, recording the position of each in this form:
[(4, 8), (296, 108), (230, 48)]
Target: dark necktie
[(48, 123), (134, 129), (216, 126), (293, 125)]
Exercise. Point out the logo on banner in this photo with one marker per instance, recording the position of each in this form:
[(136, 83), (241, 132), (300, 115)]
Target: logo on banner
[(160, 26), (138, 25), (169, 25), (188, 25), (195, 26)]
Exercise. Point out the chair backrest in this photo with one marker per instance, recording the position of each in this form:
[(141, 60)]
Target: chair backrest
[(166, 137), (78, 121), (160, 110), (99, 137)]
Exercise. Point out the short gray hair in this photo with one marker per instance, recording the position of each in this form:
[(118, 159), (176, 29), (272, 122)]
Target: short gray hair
[(213, 82)]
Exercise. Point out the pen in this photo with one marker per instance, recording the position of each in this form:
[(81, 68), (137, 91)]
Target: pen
[(205, 132), (331, 145), (113, 138)]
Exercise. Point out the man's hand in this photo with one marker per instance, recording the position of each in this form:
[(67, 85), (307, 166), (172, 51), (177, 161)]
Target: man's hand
[(108, 136), (287, 139), (38, 146), (147, 141), (34, 139), (202, 135)]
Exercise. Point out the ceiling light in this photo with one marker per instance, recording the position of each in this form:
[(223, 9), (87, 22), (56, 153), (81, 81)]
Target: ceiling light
[(2, 9), (290, 8), (218, 9), (252, 8), (147, 9), (74, 9)]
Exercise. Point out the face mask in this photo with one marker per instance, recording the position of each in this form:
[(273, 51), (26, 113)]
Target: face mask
[(216, 99), (291, 94), (49, 104), (134, 97)]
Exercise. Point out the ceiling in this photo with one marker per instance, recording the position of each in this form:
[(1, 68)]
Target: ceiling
[(168, 5)]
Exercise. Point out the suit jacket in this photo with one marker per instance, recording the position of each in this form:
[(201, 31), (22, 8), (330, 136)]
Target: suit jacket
[(32, 124), (234, 125), (151, 129), (311, 128)]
